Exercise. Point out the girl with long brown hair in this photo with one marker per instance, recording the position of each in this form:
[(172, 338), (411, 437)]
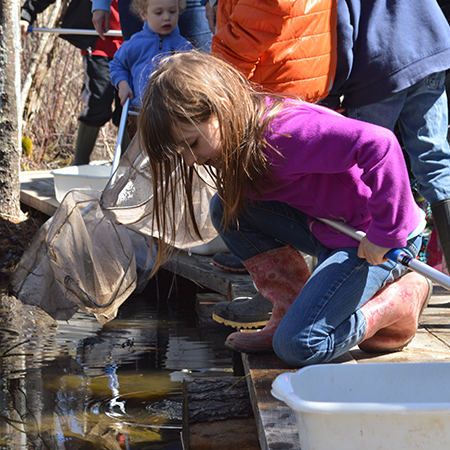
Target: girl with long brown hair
[(280, 164)]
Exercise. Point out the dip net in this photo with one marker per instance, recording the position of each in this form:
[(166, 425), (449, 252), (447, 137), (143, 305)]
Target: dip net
[(97, 248)]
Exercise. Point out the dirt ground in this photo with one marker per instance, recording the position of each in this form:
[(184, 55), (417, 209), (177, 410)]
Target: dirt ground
[(14, 239)]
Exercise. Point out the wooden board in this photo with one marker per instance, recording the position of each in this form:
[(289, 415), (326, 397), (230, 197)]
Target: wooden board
[(277, 423), (200, 270), (37, 190), (229, 434), (222, 403)]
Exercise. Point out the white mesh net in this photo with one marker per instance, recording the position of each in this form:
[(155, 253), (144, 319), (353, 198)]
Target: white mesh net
[(96, 250), (128, 199)]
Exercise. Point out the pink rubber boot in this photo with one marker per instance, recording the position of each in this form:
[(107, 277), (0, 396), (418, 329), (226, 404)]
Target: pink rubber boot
[(279, 275), (392, 315)]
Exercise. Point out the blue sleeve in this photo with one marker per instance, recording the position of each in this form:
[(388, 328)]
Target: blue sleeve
[(345, 36), (101, 4), (118, 67)]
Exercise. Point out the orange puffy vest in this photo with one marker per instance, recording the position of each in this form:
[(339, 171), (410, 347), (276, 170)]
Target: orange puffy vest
[(287, 46)]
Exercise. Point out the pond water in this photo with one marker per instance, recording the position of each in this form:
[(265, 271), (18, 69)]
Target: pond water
[(80, 385)]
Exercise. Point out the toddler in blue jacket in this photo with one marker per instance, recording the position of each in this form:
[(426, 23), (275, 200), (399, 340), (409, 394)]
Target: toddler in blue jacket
[(133, 63)]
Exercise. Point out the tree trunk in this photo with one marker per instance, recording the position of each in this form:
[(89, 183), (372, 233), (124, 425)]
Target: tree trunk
[(40, 62), (10, 149)]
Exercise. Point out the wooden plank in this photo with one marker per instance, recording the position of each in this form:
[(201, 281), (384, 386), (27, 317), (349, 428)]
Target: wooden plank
[(436, 318), (424, 348), (37, 191), (229, 434), (222, 403), (29, 175), (39, 203), (277, 423), (200, 270), (204, 306)]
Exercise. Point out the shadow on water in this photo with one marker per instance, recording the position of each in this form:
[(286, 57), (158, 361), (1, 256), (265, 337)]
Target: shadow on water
[(79, 385)]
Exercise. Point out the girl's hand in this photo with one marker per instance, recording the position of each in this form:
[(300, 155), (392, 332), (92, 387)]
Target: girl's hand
[(372, 253), (125, 92)]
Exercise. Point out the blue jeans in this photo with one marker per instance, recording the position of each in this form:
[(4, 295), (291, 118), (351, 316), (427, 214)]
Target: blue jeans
[(325, 320), (129, 22), (422, 114), (194, 26)]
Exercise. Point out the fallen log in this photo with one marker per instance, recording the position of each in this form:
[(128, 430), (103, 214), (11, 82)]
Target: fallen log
[(217, 415)]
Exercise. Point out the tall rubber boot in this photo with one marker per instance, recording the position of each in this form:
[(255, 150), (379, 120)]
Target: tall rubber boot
[(279, 276), (441, 217), (392, 315), (86, 138)]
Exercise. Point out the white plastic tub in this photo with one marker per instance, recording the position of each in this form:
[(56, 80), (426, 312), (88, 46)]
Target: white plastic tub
[(369, 406), (87, 176)]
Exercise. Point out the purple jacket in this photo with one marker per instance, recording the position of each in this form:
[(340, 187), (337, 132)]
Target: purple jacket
[(341, 169)]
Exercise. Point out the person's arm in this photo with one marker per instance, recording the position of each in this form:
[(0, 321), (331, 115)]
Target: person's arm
[(125, 91), (251, 29), (31, 8), (345, 48), (120, 74), (211, 14), (101, 11), (332, 145)]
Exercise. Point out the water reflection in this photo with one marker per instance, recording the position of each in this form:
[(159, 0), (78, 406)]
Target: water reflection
[(78, 385)]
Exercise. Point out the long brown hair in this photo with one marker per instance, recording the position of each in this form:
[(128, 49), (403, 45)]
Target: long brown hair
[(191, 87)]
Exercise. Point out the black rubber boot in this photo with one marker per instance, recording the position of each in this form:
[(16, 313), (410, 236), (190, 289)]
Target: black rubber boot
[(252, 312), (441, 217), (86, 138)]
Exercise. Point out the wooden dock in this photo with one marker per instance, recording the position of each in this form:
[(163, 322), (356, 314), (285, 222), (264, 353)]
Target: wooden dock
[(37, 190), (276, 423)]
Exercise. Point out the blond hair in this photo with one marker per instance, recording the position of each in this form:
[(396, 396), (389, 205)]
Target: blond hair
[(137, 6), (191, 87)]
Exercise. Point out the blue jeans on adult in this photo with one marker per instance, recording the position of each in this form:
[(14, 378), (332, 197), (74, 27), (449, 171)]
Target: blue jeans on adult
[(422, 114), (130, 23), (194, 26), (325, 319)]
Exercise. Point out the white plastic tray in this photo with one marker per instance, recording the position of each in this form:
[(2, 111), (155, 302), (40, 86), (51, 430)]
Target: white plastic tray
[(369, 406), (89, 176)]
